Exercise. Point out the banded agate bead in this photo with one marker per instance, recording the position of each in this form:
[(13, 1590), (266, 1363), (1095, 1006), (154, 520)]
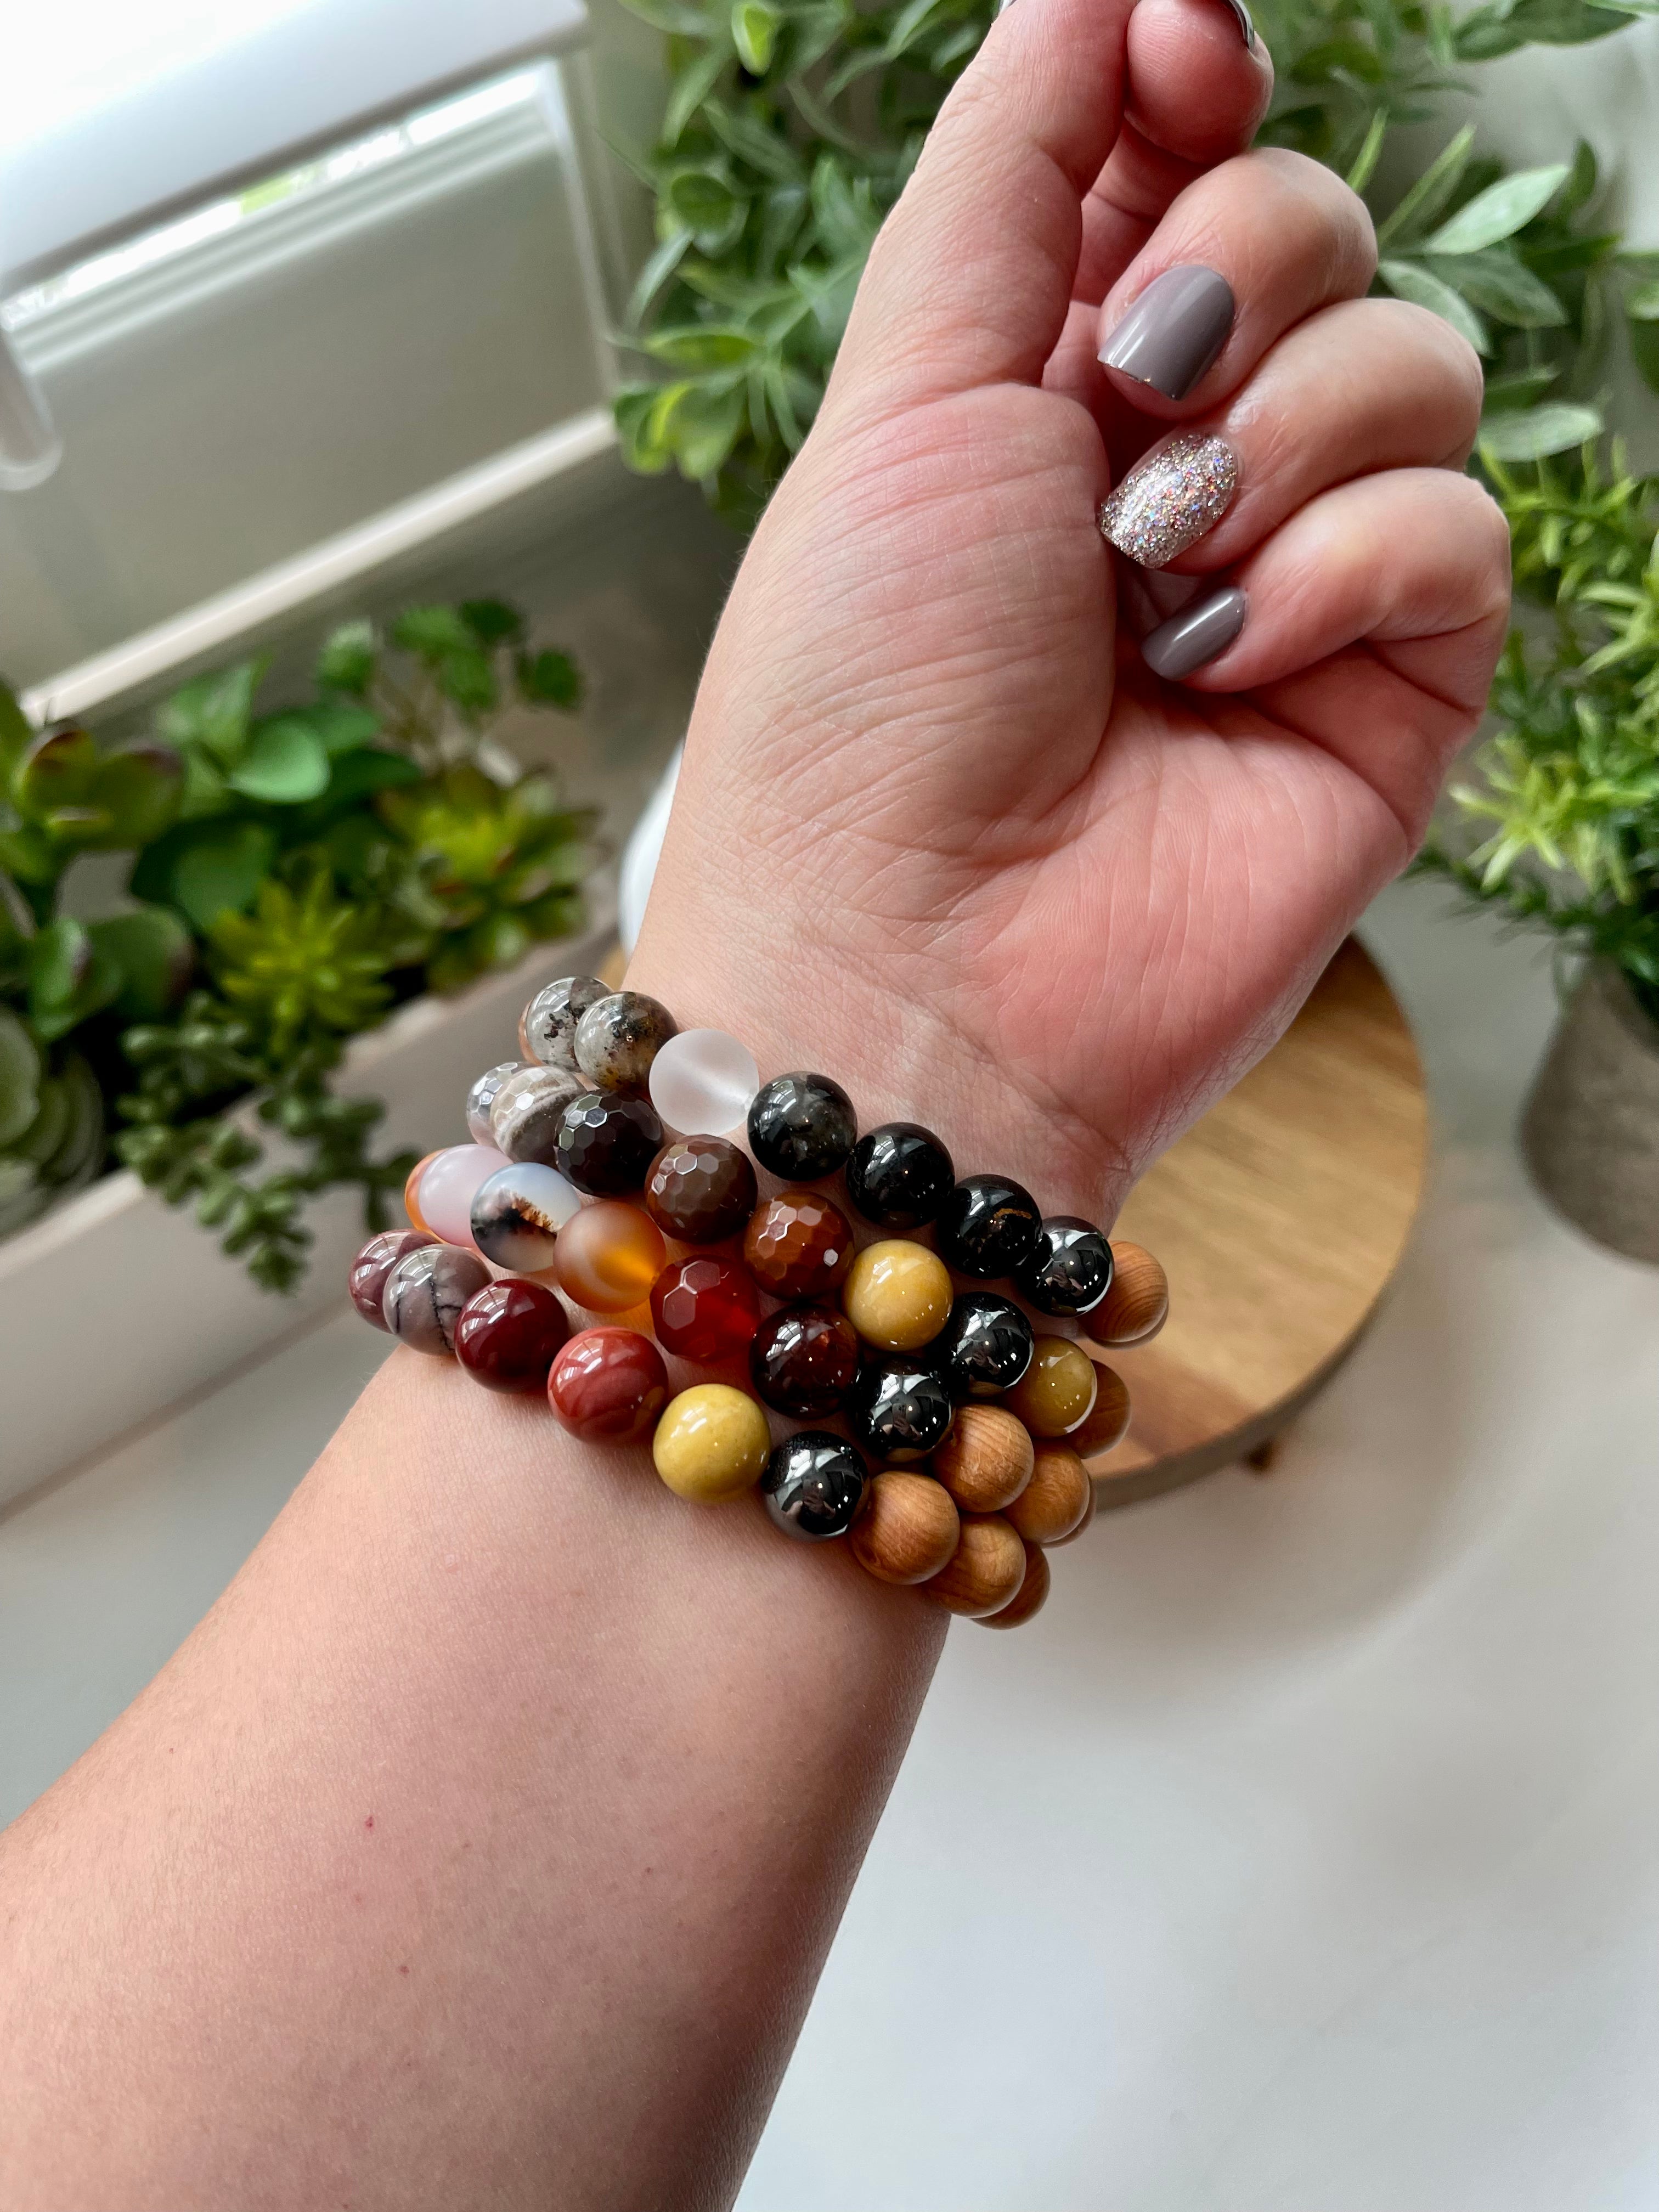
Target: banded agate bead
[(607, 1143), (366, 1283), (704, 1079), (424, 1294), (712, 1443), (448, 1186), (528, 1112), (1058, 1391), (507, 1335), (1070, 1272), (517, 1213), (898, 1295), (618, 1038), (801, 1126), (813, 1486), (700, 1189), (609, 1386), (804, 1360), (705, 1310), (798, 1245), (547, 1028), (908, 1529), (482, 1097), (608, 1255)]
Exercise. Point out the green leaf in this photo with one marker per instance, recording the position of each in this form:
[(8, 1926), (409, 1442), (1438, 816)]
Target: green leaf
[(55, 776), (20, 1077), (1423, 202), (691, 88), (664, 261), (1524, 389), (703, 200), (1499, 211), (706, 426), (699, 346), (754, 33), (69, 978), (207, 868), (342, 728), (1364, 162), (431, 632), (285, 764), (213, 712), (358, 776), (16, 732), (1503, 287), (492, 622), (1642, 304), (155, 957), (643, 449), (468, 678), (1534, 432), (1409, 280), (1644, 350), (550, 679), (347, 661)]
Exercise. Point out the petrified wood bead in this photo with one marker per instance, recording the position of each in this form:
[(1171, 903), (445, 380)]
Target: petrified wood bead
[(1107, 1422), (908, 1529), (700, 1189), (1055, 1501), (798, 1245), (986, 1460), (547, 1030), (424, 1294), (1136, 1305), (609, 1386), (986, 1570), (528, 1112), (1058, 1391), (619, 1036), (1029, 1598), (898, 1295), (366, 1281)]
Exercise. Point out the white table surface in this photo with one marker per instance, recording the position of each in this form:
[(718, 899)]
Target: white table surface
[(1304, 1857)]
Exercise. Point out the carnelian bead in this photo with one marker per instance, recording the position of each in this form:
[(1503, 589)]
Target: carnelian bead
[(705, 1310), (799, 1244), (509, 1333), (1057, 1391), (609, 1386), (608, 1255)]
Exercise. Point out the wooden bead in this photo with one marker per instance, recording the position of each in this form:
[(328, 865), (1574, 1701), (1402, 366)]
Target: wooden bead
[(987, 1570), (1057, 1390), (1056, 1499), (1087, 1521), (986, 1461), (908, 1529), (898, 1295), (712, 1443), (1029, 1598), (1136, 1305), (1107, 1422)]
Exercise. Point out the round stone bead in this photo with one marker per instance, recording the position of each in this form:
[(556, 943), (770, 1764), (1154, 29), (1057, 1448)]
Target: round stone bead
[(898, 1409), (608, 1256), (482, 1097), (507, 1334), (700, 1189), (899, 1175), (517, 1213), (986, 1460), (1071, 1270), (985, 1571), (813, 1486), (908, 1529), (1138, 1304), (804, 1360), (802, 1127), (798, 1245), (424, 1294), (705, 1310), (366, 1281), (1055, 1500), (619, 1036), (450, 1184), (988, 1227), (712, 1443), (1058, 1391), (412, 1193), (607, 1142), (528, 1112), (898, 1295), (984, 1346), (704, 1079), (547, 1028), (1029, 1598), (609, 1386), (1107, 1422)]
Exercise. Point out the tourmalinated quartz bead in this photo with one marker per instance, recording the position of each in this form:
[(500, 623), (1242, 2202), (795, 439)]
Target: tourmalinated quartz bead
[(804, 1360), (813, 1486), (607, 1143), (448, 1187), (899, 1409), (1058, 1391), (517, 1215), (988, 1227), (609, 1386), (412, 1193), (899, 1175), (1055, 1500), (482, 1097), (507, 1335), (801, 1126), (619, 1036), (528, 1112), (984, 1346), (608, 1256), (704, 1079), (712, 1443), (366, 1281), (547, 1030), (705, 1310), (1138, 1304), (1071, 1270), (424, 1294), (986, 1570), (908, 1529), (1029, 1598), (700, 1189), (898, 1295), (798, 1245)]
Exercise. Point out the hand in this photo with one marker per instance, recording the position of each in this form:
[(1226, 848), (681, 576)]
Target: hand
[(941, 831)]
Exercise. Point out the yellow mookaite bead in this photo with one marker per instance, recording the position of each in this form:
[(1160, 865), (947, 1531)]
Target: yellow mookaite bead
[(1057, 1390), (712, 1443), (898, 1295)]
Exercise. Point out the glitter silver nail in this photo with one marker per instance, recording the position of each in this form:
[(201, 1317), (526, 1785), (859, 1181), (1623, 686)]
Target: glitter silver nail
[(1168, 501)]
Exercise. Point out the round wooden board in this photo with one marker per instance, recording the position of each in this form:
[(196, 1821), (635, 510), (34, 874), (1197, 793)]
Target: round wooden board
[(1279, 1219)]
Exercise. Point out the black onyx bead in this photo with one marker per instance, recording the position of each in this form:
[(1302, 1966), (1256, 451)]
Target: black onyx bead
[(606, 1141), (985, 1348), (801, 1126), (899, 1175), (899, 1410), (804, 1360), (988, 1227), (813, 1486), (1071, 1270)]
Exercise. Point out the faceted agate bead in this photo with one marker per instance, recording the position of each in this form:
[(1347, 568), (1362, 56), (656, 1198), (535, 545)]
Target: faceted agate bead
[(987, 1226), (704, 1079), (424, 1294), (804, 1360), (1028, 1599), (898, 1295), (448, 1187), (608, 1256), (366, 1281), (609, 1386), (607, 1143), (507, 1334), (712, 1443), (482, 1097), (1138, 1304), (801, 1126), (704, 1310), (412, 1193), (899, 1175), (899, 1409), (619, 1036), (700, 1189), (908, 1529), (528, 1112), (1055, 1501), (547, 1028), (813, 1486), (517, 1213), (1058, 1391), (986, 1460), (1070, 1270), (798, 1245), (986, 1570), (984, 1346)]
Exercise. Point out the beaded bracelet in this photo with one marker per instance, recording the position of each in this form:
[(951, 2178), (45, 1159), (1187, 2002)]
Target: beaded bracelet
[(978, 1425)]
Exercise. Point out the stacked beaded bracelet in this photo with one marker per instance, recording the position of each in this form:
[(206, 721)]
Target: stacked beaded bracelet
[(978, 1425)]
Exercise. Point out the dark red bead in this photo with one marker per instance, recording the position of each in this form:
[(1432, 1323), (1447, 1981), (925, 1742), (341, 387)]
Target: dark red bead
[(799, 1244), (507, 1334), (706, 1310), (700, 1189), (609, 1386), (366, 1281), (804, 1361)]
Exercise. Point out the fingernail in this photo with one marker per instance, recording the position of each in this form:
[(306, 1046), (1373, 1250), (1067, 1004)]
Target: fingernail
[(1174, 331), (1244, 23), (1169, 499), (1197, 634)]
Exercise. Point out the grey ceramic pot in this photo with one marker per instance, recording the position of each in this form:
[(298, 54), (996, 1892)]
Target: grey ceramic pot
[(1590, 1131)]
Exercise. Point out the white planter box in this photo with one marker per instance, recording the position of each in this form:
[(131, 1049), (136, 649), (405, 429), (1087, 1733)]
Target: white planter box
[(117, 1305)]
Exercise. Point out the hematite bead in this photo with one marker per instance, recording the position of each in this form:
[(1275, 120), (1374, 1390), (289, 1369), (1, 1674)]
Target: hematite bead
[(899, 1175), (617, 1039), (988, 1227), (813, 1486), (700, 1189), (507, 1334), (899, 1409), (798, 1245), (984, 1347), (801, 1126), (1071, 1270), (804, 1361), (606, 1142), (366, 1281), (547, 1028)]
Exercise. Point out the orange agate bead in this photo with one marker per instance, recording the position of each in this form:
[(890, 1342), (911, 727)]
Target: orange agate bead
[(608, 1255)]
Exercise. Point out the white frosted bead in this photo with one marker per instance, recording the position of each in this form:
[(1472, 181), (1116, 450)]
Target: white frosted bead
[(482, 1097), (702, 1082), (447, 1189)]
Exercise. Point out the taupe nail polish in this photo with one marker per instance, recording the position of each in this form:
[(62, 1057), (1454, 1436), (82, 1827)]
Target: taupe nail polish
[(1170, 499), (1174, 331), (1196, 635)]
